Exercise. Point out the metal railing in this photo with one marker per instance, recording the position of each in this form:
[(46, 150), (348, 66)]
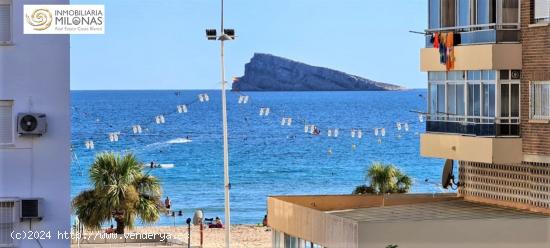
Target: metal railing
[(480, 34), (477, 27), (473, 125)]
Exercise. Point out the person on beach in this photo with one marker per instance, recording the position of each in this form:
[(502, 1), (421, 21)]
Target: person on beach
[(167, 203), (264, 222), (152, 164), (110, 230), (218, 223)]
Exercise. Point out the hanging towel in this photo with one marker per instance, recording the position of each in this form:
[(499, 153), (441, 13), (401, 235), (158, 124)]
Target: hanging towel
[(435, 37), (450, 51), (442, 49)]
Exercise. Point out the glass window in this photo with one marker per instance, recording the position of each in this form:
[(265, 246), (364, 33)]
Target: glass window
[(473, 100), (291, 242), (489, 100), (474, 75), (504, 74), (433, 99), (451, 99), (460, 103), (540, 100), (441, 99), (463, 13), (514, 98), (5, 22), (510, 11), (542, 11), (448, 13), (488, 75), (505, 100), (485, 11), (434, 15)]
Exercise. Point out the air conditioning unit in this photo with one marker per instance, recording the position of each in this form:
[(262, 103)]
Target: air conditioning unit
[(31, 124), (31, 209), (9, 211)]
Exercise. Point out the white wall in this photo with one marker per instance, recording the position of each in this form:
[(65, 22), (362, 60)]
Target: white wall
[(34, 72)]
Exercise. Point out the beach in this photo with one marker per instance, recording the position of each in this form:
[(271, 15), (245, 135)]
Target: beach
[(242, 236)]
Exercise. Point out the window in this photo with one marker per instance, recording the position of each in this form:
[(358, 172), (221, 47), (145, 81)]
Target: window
[(6, 120), (509, 11), (448, 13), (542, 11), (485, 12), (5, 22), (290, 242), (509, 94), (434, 15), (463, 13), (540, 100)]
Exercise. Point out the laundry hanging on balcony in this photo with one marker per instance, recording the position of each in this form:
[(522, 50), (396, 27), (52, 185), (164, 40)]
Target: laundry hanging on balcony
[(445, 42), (450, 63), (435, 39)]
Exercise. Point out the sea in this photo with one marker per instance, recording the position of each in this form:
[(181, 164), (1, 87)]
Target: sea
[(265, 157)]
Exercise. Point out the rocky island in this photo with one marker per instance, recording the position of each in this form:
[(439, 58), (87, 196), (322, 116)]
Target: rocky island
[(266, 72)]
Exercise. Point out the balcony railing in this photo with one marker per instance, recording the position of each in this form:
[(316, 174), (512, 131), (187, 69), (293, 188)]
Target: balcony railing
[(474, 125), (480, 34)]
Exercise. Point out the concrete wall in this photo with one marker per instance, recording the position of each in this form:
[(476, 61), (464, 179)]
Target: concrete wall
[(34, 72), (487, 233), (475, 57), (304, 217), (467, 148)]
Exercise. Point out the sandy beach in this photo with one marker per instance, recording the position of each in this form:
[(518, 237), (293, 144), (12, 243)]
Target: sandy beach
[(243, 236)]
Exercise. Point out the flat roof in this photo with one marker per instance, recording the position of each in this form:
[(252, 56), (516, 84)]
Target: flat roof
[(445, 210)]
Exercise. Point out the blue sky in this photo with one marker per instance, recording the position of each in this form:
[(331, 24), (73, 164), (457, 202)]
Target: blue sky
[(160, 44)]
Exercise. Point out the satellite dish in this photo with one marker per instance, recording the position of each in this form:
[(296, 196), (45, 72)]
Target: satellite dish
[(447, 178)]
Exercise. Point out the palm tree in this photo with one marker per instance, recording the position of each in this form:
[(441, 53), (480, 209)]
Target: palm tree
[(121, 192), (384, 179)]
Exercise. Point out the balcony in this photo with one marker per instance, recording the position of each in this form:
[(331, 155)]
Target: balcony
[(474, 139), (479, 34), (474, 126), (476, 57)]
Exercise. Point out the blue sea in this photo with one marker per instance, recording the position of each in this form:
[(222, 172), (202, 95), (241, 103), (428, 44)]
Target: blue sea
[(265, 157)]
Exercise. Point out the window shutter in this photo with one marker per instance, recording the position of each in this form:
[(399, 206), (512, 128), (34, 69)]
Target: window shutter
[(5, 23), (6, 120), (542, 9)]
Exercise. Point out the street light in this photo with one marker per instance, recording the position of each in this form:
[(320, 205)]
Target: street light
[(226, 35)]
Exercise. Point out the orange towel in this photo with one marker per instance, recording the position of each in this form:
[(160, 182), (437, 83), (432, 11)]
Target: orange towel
[(449, 43)]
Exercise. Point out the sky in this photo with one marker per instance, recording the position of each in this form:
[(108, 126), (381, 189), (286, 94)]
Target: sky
[(161, 44)]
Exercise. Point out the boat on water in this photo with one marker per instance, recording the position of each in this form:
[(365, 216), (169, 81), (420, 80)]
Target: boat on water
[(159, 166)]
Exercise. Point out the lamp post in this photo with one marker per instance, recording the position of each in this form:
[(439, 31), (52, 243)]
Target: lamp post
[(188, 221), (226, 35)]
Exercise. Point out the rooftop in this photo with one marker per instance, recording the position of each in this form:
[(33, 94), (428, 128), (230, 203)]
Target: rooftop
[(446, 210)]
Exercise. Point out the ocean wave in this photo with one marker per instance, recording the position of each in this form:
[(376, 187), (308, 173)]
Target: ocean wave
[(169, 142), (178, 141)]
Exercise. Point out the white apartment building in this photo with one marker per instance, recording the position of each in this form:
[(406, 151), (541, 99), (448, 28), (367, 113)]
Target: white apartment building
[(34, 78)]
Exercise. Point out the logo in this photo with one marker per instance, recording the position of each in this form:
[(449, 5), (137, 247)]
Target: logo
[(40, 19), (64, 19)]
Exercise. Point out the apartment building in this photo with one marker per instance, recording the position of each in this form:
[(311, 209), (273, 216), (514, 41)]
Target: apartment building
[(488, 107), (34, 169), (490, 111)]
